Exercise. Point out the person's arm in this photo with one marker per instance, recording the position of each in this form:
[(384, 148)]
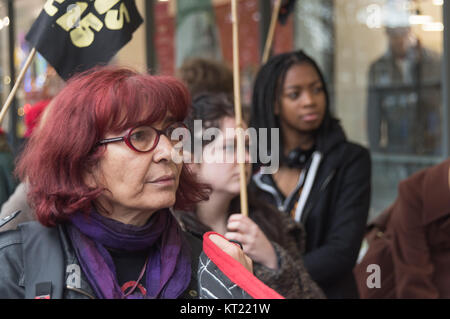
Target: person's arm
[(347, 223), (254, 242), (290, 279), (413, 266), (274, 265)]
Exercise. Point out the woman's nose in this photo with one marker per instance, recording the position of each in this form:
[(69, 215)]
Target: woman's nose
[(163, 150), (307, 98)]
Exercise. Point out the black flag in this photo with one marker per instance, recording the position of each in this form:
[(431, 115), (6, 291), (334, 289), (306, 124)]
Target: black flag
[(287, 6), (74, 36)]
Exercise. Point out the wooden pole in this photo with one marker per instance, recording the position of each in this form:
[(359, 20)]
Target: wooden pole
[(273, 23), (238, 110), (17, 85)]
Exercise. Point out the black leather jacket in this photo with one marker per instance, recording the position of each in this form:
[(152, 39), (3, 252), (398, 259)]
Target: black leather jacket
[(33, 255)]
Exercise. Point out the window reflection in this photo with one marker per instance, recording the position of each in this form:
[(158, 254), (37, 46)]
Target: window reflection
[(383, 61)]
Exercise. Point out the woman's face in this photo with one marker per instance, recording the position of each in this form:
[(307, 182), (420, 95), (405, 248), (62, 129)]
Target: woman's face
[(136, 181), (303, 100), (215, 170)]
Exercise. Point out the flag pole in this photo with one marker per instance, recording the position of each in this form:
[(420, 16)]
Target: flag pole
[(238, 109), (17, 85), (273, 23)]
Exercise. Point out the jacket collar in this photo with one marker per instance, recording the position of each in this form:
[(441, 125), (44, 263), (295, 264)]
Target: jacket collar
[(74, 278), (330, 136)]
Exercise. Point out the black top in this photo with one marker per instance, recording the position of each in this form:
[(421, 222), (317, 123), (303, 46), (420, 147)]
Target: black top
[(129, 267)]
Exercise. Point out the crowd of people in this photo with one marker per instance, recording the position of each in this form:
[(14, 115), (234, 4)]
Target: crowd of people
[(102, 193)]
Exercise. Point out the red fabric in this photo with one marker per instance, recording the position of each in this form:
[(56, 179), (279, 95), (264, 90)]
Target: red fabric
[(237, 272), (32, 116)]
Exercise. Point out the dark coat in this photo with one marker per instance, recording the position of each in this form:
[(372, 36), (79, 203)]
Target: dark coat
[(14, 270), (291, 279), (335, 212), (420, 229)]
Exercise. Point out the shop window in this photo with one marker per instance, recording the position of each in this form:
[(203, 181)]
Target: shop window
[(382, 59)]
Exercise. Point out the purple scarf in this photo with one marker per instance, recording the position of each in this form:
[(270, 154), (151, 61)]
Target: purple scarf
[(168, 267)]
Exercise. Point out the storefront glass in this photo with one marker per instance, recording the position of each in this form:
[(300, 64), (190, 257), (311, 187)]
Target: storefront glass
[(383, 61)]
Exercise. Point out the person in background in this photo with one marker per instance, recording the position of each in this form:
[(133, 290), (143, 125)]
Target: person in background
[(323, 181), (419, 226), (404, 105), (202, 75), (7, 181), (271, 239), (404, 92), (17, 201)]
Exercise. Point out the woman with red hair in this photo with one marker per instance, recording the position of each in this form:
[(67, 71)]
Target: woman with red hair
[(102, 179)]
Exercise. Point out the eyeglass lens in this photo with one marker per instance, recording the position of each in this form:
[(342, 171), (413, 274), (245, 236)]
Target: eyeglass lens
[(143, 138)]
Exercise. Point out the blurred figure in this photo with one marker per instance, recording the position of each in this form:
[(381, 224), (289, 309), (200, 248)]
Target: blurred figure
[(7, 181), (34, 117), (323, 181), (420, 224), (202, 75), (410, 241), (196, 34), (270, 238), (404, 98)]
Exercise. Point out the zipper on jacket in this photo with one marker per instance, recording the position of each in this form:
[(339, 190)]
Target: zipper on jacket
[(80, 291), (309, 183), (322, 188), (327, 180)]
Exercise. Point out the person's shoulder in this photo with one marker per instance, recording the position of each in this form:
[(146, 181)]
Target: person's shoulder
[(352, 151), (355, 147), (9, 239), (381, 61), (434, 177), (428, 53)]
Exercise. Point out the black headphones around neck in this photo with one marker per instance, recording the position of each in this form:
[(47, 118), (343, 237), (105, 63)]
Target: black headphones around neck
[(298, 158)]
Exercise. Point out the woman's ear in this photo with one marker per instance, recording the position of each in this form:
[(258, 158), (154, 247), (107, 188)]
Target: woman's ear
[(90, 180)]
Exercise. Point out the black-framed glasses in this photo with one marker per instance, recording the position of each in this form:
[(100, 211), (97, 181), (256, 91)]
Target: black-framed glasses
[(144, 138)]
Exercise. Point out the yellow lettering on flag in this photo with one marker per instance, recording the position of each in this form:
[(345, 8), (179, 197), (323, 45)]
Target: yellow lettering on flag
[(102, 6), (114, 18), (83, 36), (50, 8), (70, 19)]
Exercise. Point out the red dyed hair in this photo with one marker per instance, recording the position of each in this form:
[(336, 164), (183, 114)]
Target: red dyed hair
[(93, 104)]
